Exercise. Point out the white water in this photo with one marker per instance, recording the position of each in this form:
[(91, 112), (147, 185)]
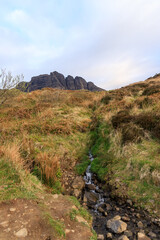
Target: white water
[(89, 180)]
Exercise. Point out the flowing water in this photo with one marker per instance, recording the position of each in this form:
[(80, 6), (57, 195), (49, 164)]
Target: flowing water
[(104, 207)]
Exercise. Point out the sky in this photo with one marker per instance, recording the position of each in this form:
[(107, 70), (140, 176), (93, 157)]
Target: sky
[(110, 42)]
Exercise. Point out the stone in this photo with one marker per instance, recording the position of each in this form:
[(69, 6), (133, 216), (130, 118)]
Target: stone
[(123, 238), (108, 207), (100, 209), (22, 233), (92, 197), (126, 219), (67, 231), (4, 224), (152, 235), (140, 224), (78, 183), (116, 225), (109, 236), (100, 237), (55, 196), (12, 209), (81, 219), (129, 202), (90, 186), (138, 215), (128, 233), (77, 193), (117, 217), (105, 213), (142, 236)]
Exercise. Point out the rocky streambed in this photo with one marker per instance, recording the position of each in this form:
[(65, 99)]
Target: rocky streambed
[(116, 218)]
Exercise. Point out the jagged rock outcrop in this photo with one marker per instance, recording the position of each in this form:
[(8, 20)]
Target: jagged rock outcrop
[(57, 80)]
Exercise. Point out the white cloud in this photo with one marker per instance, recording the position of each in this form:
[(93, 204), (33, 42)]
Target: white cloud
[(110, 42)]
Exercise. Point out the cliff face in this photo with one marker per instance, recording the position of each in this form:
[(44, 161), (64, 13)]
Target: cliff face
[(57, 80)]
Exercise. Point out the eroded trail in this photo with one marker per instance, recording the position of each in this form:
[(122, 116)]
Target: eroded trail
[(115, 218)]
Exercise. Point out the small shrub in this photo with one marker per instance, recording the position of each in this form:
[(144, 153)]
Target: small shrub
[(121, 118), (151, 90), (131, 133)]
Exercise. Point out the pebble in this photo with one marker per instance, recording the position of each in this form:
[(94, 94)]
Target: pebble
[(128, 233), (129, 202), (100, 237), (22, 233), (109, 236), (4, 224), (140, 224), (126, 219), (12, 209), (123, 238), (152, 235), (108, 207), (100, 209), (142, 236)]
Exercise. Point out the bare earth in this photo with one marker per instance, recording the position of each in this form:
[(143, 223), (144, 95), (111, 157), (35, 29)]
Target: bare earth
[(25, 219)]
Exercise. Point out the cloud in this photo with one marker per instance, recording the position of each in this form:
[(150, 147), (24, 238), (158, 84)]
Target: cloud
[(112, 43)]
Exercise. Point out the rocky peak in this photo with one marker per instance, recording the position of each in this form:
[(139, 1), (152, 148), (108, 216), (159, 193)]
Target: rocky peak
[(57, 80)]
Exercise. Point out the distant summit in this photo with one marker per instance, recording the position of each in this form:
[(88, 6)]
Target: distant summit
[(57, 80)]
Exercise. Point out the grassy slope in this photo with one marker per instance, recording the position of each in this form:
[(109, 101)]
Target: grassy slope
[(126, 145), (48, 131), (45, 132)]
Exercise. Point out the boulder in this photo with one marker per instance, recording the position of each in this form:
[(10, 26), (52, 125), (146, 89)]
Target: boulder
[(78, 183), (92, 197), (116, 225), (142, 236)]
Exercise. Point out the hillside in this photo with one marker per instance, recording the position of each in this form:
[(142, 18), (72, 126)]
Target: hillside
[(46, 136), (58, 81)]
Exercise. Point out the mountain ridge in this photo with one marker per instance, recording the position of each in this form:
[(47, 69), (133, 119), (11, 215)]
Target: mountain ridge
[(57, 80)]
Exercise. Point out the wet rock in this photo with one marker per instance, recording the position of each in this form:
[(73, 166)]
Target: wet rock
[(101, 210), (152, 235), (129, 202), (105, 213), (117, 217), (92, 197), (138, 215), (142, 236), (128, 233), (123, 238), (100, 237), (90, 186), (140, 224), (126, 219), (116, 225), (22, 233), (109, 236), (108, 207)]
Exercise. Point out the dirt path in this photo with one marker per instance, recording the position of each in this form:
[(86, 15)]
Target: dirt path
[(28, 219)]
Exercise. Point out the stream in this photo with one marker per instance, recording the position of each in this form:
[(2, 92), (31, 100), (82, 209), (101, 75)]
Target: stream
[(109, 213)]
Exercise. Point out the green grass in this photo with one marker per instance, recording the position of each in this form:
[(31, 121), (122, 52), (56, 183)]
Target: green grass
[(79, 211), (57, 225), (94, 237), (82, 166), (16, 183)]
